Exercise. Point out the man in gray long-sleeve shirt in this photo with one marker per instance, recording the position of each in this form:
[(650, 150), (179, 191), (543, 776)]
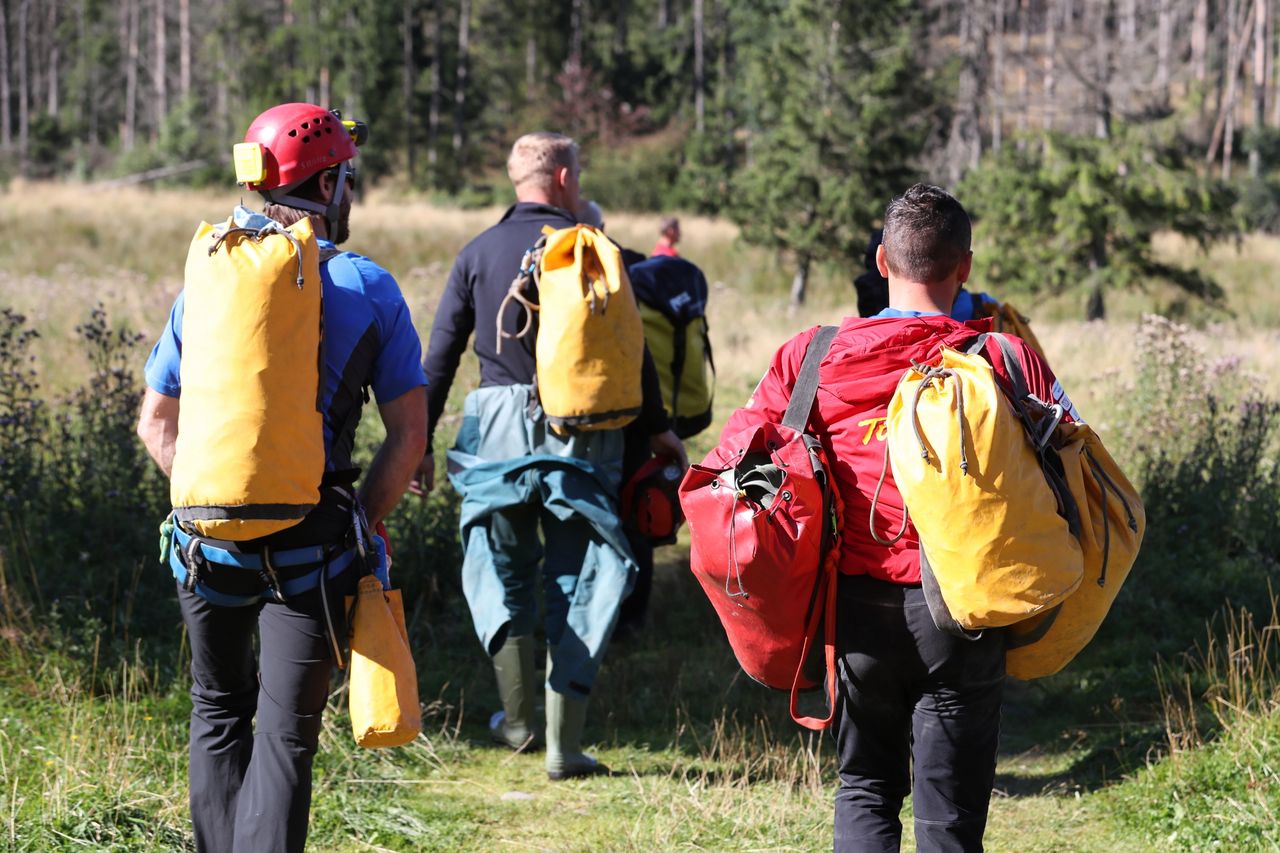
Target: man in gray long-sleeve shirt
[(503, 548)]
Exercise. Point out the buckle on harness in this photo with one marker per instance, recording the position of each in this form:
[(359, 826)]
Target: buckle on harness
[(194, 561), (270, 579)]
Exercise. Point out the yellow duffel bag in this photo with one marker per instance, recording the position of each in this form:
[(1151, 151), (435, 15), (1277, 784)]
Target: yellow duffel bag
[(590, 342), (997, 543), (250, 449), (1113, 523)]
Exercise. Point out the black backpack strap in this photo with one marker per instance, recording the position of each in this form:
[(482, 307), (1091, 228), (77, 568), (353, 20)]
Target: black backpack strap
[(327, 254), (1012, 364), (679, 353), (806, 387)]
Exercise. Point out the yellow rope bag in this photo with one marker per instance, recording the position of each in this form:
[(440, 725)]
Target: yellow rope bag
[(590, 343), (250, 449)]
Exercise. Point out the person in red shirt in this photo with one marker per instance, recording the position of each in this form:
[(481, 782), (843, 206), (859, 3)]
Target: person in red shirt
[(910, 697), (668, 236)]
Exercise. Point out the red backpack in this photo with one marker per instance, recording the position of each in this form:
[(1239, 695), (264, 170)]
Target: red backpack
[(761, 510)]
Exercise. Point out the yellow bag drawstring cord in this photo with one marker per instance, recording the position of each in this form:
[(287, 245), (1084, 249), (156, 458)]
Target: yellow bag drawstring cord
[(530, 270), (258, 235)]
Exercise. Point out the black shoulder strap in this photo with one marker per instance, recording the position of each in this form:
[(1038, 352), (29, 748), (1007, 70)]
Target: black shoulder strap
[(806, 387), (326, 254), (1012, 364)]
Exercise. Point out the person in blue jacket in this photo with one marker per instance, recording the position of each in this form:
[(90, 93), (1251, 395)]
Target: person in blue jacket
[(255, 723), (518, 479)]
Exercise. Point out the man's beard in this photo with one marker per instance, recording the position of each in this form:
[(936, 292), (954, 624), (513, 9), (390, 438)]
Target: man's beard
[(342, 229)]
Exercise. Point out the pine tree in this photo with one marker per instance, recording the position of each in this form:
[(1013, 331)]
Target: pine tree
[(1079, 212), (843, 112)]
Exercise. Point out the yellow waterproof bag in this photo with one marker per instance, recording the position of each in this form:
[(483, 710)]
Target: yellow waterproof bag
[(383, 694), (1008, 320), (1112, 525), (250, 450), (590, 343), (997, 531)]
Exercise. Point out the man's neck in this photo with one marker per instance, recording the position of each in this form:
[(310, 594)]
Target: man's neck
[(922, 298), (537, 197)]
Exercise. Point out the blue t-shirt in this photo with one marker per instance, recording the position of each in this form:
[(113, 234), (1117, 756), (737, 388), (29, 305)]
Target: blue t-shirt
[(898, 313), (966, 305), (369, 342), (964, 309)]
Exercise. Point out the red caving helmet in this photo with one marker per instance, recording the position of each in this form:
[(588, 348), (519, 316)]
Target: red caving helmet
[(650, 500), (294, 141)]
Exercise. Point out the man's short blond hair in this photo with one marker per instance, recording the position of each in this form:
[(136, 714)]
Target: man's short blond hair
[(535, 158)]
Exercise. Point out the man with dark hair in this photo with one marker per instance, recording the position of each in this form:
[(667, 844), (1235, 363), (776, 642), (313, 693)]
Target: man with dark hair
[(518, 478), (917, 710)]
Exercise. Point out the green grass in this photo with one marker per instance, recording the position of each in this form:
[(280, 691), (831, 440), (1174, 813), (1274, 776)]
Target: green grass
[(92, 748)]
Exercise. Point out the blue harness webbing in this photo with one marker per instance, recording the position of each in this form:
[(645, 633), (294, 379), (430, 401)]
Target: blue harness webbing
[(316, 554)]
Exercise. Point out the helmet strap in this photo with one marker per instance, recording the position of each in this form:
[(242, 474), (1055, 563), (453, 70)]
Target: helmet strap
[(331, 212)]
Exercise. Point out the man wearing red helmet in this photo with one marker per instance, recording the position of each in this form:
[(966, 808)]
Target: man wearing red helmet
[(255, 725)]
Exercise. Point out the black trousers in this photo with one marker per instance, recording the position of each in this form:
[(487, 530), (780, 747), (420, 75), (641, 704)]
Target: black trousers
[(919, 712), (250, 786)]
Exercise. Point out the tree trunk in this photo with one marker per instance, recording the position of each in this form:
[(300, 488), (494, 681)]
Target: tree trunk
[(410, 73), (1050, 63), (1164, 46), (1024, 42), (1260, 15), (161, 59), (997, 82), (664, 14), (1128, 22), (530, 67), (800, 283), (6, 138), (437, 85), (575, 32), (1096, 308), (1224, 129), (1200, 42), (55, 61), (184, 48), (699, 71), (130, 74), (726, 73), (460, 85), (964, 147), (1102, 85), (24, 83)]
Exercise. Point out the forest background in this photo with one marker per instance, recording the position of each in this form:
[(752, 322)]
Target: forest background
[(1122, 162), (1088, 124)]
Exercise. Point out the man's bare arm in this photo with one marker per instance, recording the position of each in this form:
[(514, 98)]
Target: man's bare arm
[(158, 428), (397, 460)]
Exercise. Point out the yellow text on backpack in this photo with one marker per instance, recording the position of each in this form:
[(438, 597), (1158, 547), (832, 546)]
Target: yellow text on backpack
[(250, 449), (1112, 525), (590, 344), (987, 518)]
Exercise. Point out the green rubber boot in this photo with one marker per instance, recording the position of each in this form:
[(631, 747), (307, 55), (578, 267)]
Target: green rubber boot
[(566, 717), (513, 666)]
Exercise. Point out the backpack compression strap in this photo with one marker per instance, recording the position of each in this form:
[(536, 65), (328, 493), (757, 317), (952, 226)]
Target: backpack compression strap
[(806, 387), (822, 614)]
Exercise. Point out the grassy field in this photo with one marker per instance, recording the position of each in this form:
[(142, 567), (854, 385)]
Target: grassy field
[(92, 746)]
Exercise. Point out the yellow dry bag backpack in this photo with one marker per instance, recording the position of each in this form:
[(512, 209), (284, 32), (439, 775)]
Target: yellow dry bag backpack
[(590, 343), (1006, 319), (673, 303), (1024, 521), (250, 451)]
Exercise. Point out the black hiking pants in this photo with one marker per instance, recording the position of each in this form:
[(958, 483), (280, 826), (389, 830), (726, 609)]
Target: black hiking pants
[(918, 712), (250, 786)]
